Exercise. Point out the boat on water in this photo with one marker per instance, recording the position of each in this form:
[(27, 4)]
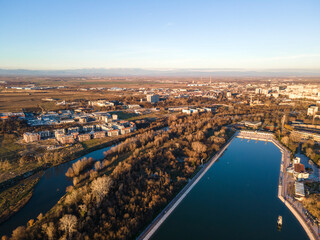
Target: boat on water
[(280, 222)]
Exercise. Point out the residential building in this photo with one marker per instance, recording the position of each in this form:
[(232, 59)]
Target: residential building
[(114, 132), (125, 130), (132, 106), (300, 172), (312, 110), (73, 129), (101, 103), (84, 137), (31, 137), (100, 134), (59, 132), (67, 139), (114, 117), (306, 135), (88, 128), (44, 134), (153, 98)]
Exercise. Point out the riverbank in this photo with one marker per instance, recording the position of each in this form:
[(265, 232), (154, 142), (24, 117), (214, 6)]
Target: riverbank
[(287, 200), (267, 137), (164, 214), (51, 188), (290, 203), (14, 198), (103, 143)]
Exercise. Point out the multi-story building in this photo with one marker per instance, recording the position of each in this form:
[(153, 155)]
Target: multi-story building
[(88, 128), (153, 98), (65, 139), (125, 130), (306, 135), (100, 134), (84, 137), (101, 103), (73, 129), (114, 132), (31, 137), (312, 110), (114, 117), (44, 134), (258, 91), (59, 132)]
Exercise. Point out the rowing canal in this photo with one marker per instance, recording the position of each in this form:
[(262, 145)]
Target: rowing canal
[(236, 199)]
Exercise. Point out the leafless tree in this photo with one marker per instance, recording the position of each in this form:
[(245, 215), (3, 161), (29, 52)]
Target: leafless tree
[(49, 229), (68, 224), (19, 233), (100, 188)]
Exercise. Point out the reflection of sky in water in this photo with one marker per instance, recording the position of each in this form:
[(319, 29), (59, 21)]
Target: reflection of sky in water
[(236, 199), (51, 187)]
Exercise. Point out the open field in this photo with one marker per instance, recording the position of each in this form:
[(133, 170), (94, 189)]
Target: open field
[(15, 100)]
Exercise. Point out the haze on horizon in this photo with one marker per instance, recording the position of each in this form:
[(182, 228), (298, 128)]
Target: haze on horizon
[(160, 34)]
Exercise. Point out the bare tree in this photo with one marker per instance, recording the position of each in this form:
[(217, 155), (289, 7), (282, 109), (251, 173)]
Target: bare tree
[(49, 229), (19, 233), (68, 224), (100, 188), (97, 165)]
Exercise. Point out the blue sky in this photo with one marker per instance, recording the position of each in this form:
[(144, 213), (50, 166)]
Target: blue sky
[(250, 34)]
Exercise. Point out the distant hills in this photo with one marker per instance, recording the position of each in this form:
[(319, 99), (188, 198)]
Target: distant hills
[(196, 72)]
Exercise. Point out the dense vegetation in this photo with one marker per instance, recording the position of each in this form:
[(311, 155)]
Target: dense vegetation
[(134, 182), (312, 201), (19, 158)]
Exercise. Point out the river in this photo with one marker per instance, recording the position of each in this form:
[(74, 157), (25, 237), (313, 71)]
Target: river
[(49, 190), (236, 199)]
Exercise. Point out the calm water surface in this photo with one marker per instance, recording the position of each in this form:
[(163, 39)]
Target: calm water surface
[(236, 199), (49, 190)]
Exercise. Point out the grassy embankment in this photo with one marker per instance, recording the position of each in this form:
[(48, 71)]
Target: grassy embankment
[(12, 199)]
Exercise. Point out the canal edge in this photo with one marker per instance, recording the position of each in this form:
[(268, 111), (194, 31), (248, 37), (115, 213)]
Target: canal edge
[(165, 213), (285, 156)]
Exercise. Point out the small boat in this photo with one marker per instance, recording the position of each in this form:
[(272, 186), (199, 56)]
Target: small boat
[(279, 222)]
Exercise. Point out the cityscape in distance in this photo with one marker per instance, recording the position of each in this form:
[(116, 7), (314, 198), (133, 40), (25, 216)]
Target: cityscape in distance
[(160, 120)]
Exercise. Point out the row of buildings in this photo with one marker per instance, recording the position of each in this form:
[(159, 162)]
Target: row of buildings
[(83, 133), (69, 116), (196, 110), (295, 91)]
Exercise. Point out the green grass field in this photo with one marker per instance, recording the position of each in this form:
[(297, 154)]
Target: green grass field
[(8, 147)]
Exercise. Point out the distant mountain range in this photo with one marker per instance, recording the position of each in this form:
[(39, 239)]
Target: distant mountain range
[(196, 72)]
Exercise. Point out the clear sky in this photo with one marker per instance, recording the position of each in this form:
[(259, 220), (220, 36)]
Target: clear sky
[(251, 34)]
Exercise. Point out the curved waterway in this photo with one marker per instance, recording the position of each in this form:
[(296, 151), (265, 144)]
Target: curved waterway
[(236, 199), (49, 190)]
